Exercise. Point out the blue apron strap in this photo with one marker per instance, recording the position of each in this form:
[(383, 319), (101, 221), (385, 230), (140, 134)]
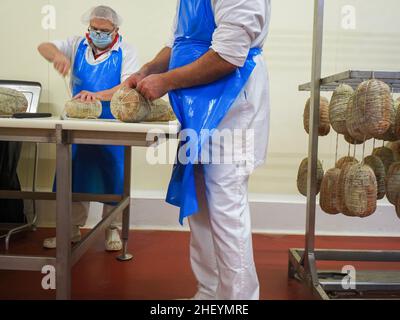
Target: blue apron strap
[(97, 169)]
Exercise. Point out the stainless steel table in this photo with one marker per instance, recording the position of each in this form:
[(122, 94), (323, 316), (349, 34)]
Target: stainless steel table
[(63, 133)]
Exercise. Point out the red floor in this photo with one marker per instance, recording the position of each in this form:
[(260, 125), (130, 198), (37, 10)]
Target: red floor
[(161, 270)]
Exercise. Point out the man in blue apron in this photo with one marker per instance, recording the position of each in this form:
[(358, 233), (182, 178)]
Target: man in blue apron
[(99, 62), (216, 77)]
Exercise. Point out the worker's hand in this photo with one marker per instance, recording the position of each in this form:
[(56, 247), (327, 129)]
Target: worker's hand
[(62, 64), (87, 96), (134, 79), (154, 86)]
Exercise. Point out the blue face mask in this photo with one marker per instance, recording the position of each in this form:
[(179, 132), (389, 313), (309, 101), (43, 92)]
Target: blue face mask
[(100, 39)]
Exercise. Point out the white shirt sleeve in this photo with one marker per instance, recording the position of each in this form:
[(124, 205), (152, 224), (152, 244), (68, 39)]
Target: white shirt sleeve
[(239, 24), (171, 39), (68, 47), (130, 61)]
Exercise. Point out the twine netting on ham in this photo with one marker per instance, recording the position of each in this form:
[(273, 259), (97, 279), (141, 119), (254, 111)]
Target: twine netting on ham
[(345, 160), (391, 133), (302, 176), (397, 118), (393, 183), (398, 207), (328, 199), (161, 111), (324, 124), (378, 167), (83, 110), (367, 112), (353, 124), (360, 190), (12, 101), (386, 155), (338, 107), (341, 205), (128, 105), (351, 140), (395, 147), (374, 106)]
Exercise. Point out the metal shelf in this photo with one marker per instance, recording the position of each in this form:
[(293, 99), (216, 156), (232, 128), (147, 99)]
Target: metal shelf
[(303, 262), (330, 282), (354, 77)]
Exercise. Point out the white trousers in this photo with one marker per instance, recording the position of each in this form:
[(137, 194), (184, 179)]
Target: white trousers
[(221, 250), (80, 213)]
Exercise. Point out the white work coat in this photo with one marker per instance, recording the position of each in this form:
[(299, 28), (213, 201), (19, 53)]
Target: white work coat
[(242, 25)]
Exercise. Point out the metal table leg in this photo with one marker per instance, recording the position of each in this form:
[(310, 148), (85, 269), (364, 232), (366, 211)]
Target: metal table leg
[(308, 259), (35, 172), (125, 256), (63, 227), (29, 225)]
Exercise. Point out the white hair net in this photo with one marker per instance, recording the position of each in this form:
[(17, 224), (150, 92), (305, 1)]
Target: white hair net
[(102, 12)]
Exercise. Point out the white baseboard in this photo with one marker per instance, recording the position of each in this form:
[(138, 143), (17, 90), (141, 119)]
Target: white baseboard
[(271, 214)]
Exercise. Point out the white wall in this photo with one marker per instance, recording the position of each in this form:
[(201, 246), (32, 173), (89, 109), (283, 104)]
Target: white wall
[(374, 44), (272, 214)]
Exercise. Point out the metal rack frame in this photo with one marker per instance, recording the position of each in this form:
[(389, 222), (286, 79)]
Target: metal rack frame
[(353, 78), (302, 262)]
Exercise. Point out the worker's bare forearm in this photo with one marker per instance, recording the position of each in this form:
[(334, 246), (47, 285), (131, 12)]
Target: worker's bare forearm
[(159, 64), (107, 95), (52, 54), (48, 51), (209, 68)]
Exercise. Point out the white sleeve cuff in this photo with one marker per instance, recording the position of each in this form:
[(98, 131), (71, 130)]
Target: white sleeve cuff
[(232, 43), (68, 46), (60, 45), (130, 63), (170, 43)]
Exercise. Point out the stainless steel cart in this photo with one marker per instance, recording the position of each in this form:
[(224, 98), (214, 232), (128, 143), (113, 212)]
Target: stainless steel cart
[(302, 262)]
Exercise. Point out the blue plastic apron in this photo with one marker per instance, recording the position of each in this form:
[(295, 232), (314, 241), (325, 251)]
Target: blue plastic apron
[(97, 169), (201, 107)]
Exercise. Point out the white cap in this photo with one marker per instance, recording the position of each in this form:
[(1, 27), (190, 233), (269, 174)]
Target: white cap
[(102, 12)]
